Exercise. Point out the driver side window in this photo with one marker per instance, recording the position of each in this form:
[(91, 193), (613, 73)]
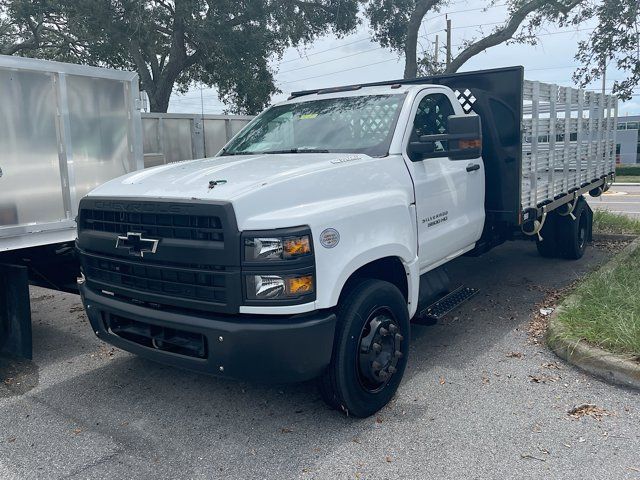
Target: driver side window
[(432, 118)]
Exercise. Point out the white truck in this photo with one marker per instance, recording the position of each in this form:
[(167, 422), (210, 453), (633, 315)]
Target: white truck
[(306, 247)]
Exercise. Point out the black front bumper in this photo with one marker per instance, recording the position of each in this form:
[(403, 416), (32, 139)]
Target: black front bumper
[(272, 349)]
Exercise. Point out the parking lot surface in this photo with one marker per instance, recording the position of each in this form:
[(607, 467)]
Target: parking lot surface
[(480, 399)]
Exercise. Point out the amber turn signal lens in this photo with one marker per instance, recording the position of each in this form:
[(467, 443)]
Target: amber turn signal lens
[(466, 144), (300, 285), (297, 246)]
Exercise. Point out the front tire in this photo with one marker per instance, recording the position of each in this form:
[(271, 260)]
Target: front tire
[(370, 349)]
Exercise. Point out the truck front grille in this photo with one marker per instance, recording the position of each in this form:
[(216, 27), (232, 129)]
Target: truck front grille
[(161, 225), (195, 264), (189, 283)]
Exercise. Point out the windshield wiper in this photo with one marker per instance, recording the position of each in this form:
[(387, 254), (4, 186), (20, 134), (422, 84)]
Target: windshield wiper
[(299, 150)]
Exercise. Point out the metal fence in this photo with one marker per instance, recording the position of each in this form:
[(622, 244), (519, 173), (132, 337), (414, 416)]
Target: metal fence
[(171, 137)]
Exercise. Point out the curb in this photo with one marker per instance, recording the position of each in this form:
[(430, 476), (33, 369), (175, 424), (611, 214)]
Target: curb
[(613, 368), (613, 237), (626, 184)]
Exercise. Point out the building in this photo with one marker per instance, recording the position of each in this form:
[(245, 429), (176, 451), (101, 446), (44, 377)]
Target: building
[(628, 139)]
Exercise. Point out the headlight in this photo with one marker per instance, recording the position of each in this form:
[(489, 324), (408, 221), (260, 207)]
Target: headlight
[(258, 249), (276, 287)]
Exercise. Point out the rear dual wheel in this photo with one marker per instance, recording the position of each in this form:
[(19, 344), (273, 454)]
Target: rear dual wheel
[(370, 349), (564, 236)]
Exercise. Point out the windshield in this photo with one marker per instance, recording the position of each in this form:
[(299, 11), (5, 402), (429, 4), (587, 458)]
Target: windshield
[(361, 124)]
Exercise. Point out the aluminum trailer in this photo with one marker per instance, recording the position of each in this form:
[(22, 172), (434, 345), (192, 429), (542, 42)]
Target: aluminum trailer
[(64, 129)]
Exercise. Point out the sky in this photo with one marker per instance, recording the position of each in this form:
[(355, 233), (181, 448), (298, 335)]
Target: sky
[(356, 58)]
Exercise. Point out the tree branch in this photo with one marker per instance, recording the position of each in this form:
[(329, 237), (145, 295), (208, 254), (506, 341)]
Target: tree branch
[(505, 33)]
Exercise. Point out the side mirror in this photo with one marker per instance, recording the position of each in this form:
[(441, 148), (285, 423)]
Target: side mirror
[(463, 142)]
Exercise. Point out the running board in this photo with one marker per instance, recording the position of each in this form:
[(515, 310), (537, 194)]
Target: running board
[(446, 304)]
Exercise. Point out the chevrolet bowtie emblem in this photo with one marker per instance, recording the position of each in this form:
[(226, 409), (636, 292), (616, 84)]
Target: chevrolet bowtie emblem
[(137, 245)]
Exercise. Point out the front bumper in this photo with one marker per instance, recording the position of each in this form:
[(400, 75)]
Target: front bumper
[(274, 349)]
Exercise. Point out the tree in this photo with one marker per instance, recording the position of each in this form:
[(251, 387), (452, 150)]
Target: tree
[(616, 38), (174, 44), (396, 25), (20, 33)]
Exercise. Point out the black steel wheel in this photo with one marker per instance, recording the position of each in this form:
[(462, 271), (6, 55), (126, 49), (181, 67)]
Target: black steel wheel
[(370, 349)]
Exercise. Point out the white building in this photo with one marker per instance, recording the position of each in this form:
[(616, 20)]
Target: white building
[(628, 140)]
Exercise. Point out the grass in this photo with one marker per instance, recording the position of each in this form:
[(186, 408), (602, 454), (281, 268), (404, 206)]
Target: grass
[(606, 312), (628, 173), (607, 222), (628, 170), (627, 178)]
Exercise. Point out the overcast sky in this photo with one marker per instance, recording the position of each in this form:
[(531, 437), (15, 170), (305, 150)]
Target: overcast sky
[(356, 58)]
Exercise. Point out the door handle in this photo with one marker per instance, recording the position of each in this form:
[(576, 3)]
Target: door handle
[(473, 166)]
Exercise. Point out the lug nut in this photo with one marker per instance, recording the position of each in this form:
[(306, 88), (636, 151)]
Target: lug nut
[(384, 332), (383, 374), (376, 347), (397, 354), (393, 328), (392, 369), (399, 337), (376, 365)]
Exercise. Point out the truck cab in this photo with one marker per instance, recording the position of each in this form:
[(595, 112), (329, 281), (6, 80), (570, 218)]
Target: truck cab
[(302, 250)]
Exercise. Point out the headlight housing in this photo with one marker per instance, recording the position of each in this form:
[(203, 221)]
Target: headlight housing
[(278, 267), (260, 249), (274, 287)]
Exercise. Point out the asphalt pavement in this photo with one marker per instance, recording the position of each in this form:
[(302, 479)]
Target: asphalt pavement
[(480, 399), (623, 199)]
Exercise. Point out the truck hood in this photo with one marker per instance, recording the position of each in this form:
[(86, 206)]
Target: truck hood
[(234, 176)]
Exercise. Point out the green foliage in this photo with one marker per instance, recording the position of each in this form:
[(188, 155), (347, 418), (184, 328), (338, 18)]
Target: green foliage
[(606, 312), (615, 39), (222, 43), (627, 170), (607, 222)]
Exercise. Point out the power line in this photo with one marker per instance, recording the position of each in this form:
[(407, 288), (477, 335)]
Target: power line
[(374, 48), (395, 58), (340, 71), (370, 37)]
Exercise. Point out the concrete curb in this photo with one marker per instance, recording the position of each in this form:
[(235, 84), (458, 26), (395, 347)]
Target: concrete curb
[(614, 368), (613, 237)]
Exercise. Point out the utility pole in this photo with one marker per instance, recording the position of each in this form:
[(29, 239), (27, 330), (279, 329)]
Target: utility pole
[(604, 75), (448, 42), (435, 54)]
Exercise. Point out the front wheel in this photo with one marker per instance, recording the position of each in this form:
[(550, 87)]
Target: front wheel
[(370, 349)]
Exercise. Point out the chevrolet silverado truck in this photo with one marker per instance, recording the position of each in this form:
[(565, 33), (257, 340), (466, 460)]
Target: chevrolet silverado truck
[(306, 247)]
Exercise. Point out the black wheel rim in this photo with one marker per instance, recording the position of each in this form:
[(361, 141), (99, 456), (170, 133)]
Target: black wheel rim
[(379, 350), (582, 232)]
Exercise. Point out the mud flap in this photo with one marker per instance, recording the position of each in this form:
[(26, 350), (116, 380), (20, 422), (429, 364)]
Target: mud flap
[(15, 311)]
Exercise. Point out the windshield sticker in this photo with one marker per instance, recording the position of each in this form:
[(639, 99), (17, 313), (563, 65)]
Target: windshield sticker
[(308, 116)]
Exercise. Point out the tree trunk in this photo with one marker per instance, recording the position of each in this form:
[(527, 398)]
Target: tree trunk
[(159, 100), (411, 42)]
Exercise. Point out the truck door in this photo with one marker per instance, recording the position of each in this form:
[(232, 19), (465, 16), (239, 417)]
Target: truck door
[(449, 193)]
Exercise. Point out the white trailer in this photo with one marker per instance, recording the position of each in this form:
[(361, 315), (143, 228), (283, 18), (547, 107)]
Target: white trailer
[(64, 130)]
